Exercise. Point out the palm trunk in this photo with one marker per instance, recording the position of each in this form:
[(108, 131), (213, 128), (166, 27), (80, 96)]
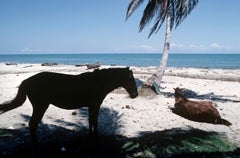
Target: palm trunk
[(157, 78)]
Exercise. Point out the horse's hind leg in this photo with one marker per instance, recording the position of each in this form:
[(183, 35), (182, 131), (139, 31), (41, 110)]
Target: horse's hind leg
[(38, 112), (93, 119)]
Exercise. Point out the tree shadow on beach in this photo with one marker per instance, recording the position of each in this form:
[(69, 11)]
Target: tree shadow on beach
[(63, 142), (177, 142), (209, 96), (109, 120), (59, 141)]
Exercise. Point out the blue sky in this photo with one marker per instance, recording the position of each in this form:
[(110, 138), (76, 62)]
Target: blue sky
[(99, 26)]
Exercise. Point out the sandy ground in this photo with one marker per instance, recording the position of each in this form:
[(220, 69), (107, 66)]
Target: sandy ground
[(121, 115)]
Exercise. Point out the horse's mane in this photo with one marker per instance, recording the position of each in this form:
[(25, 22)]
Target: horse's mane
[(111, 70), (107, 72)]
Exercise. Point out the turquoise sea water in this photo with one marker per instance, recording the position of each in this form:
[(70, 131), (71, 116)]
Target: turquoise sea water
[(226, 61)]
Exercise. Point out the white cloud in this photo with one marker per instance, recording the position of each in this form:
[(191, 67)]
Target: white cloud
[(187, 47), (148, 48), (214, 46), (144, 48), (174, 45), (30, 50)]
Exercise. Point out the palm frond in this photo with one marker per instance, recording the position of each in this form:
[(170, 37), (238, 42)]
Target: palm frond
[(133, 5), (155, 26), (177, 10), (183, 9), (161, 16), (158, 22), (148, 14), (171, 13)]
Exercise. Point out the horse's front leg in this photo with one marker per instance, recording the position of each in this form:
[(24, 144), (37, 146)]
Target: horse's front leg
[(93, 119)]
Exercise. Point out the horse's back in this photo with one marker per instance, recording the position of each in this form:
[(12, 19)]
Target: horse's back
[(50, 78), (201, 111), (60, 89)]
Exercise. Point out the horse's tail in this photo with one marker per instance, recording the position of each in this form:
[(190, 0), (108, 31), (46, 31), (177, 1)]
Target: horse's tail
[(16, 102), (223, 122)]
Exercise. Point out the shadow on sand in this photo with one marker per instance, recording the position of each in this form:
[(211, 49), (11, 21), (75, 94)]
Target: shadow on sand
[(177, 142), (209, 96), (58, 141)]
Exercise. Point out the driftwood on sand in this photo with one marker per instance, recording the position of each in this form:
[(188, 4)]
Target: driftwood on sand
[(49, 64), (90, 66), (10, 64), (93, 66)]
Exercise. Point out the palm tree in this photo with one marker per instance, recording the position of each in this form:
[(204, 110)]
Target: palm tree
[(171, 11)]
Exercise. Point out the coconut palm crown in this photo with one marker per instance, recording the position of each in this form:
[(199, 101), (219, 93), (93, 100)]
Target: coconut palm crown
[(171, 11), (177, 10)]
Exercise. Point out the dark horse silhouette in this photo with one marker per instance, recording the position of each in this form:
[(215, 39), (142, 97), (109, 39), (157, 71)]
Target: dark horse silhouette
[(71, 92)]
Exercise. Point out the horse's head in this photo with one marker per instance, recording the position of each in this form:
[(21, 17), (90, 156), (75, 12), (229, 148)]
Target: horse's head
[(179, 96), (130, 84)]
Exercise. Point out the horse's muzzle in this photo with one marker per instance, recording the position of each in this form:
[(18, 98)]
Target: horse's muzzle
[(134, 94)]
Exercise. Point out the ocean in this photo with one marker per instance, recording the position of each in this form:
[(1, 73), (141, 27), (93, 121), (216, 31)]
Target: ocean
[(219, 61)]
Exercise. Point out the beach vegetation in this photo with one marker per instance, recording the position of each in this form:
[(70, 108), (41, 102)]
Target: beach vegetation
[(172, 12)]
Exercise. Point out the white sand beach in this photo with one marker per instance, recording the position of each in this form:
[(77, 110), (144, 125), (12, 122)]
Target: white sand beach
[(122, 115)]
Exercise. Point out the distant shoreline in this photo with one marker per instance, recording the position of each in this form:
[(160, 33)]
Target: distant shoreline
[(232, 75), (219, 61), (196, 53)]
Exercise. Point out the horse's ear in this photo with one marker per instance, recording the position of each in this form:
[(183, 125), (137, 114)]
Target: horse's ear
[(176, 89), (128, 68), (130, 73), (181, 89)]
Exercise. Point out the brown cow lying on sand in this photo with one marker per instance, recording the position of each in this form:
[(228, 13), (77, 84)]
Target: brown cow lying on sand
[(199, 111)]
